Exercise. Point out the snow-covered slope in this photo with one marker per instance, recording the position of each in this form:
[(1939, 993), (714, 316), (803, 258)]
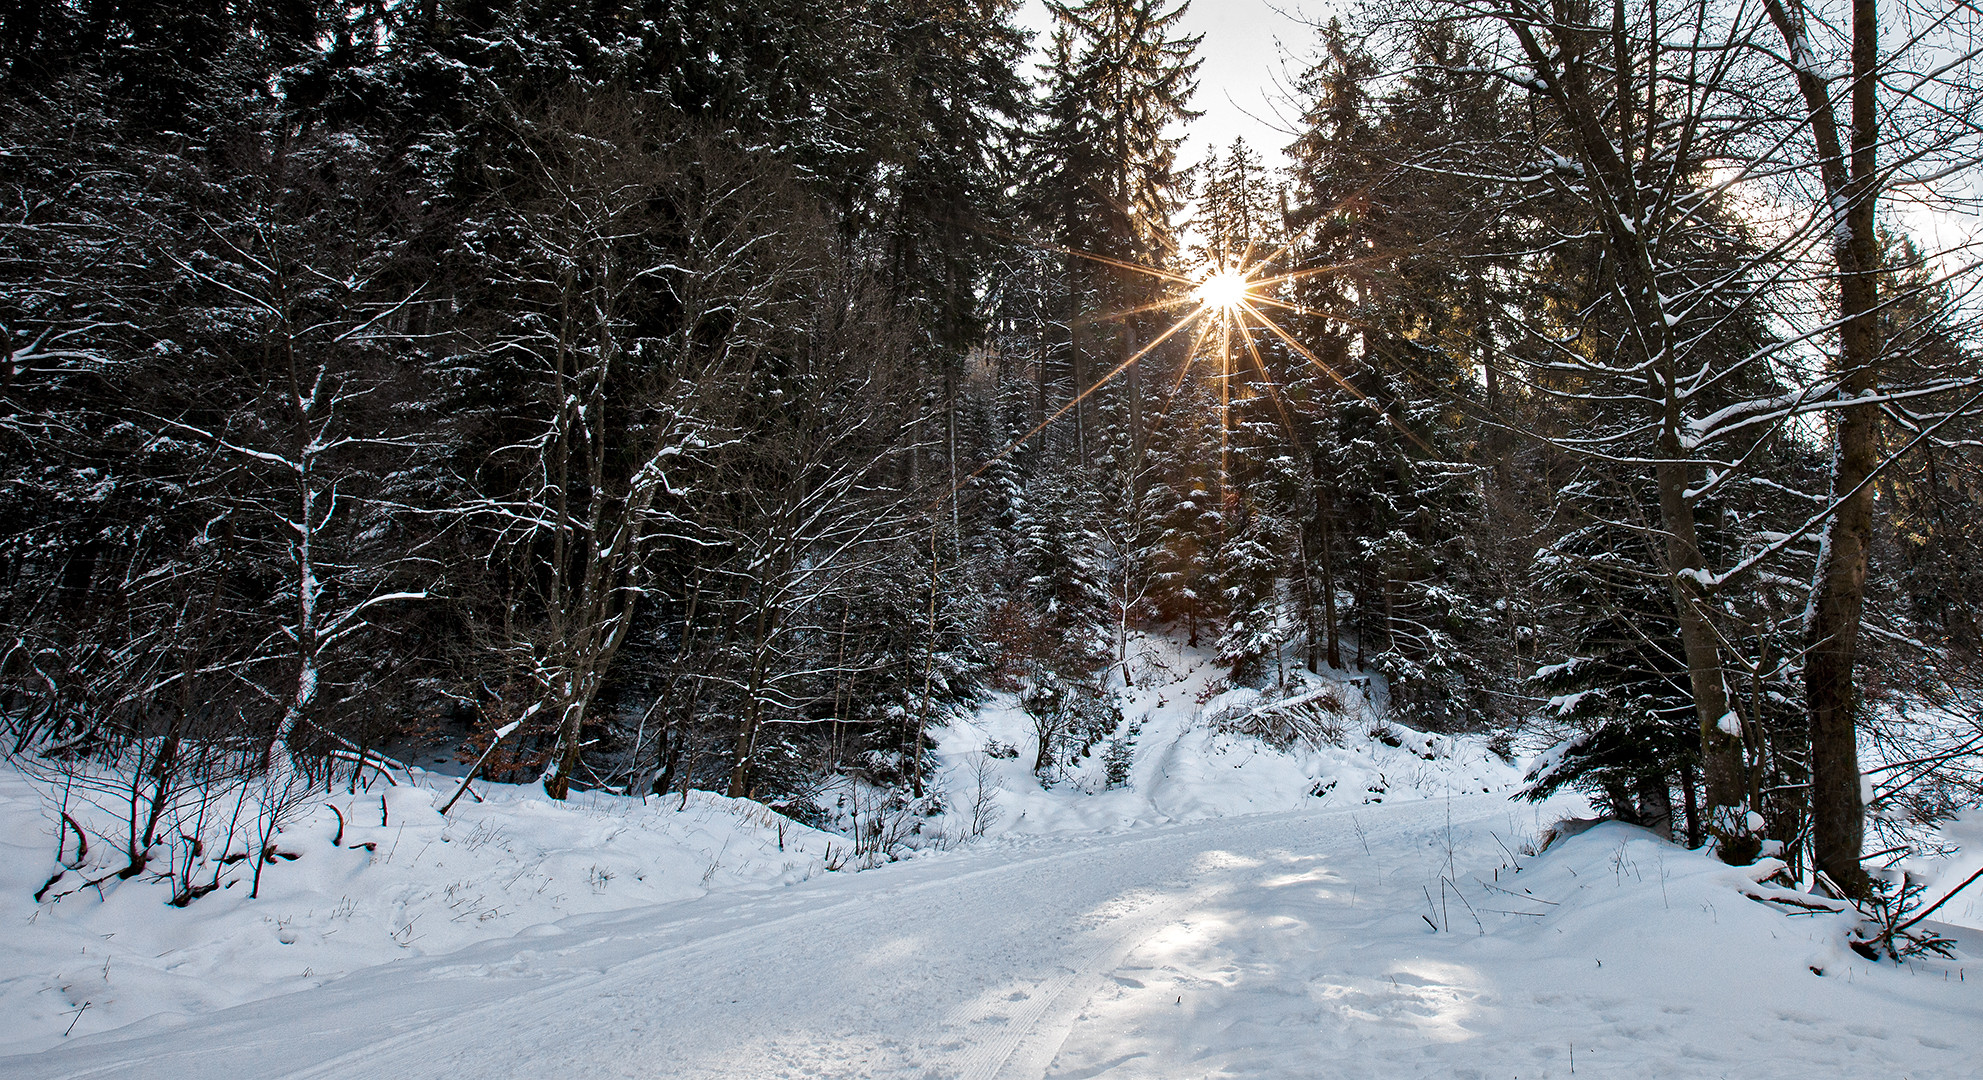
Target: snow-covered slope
[(400, 881), (1185, 768)]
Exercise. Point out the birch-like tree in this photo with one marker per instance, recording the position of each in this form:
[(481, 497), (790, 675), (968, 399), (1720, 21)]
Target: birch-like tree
[(304, 406)]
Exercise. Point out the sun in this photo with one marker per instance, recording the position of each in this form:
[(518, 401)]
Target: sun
[(1224, 290)]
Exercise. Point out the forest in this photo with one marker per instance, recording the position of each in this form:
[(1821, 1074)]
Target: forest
[(646, 395)]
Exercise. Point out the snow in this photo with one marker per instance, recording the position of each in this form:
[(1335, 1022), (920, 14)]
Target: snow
[(1964, 910), (1550, 671), (1247, 946), (1183, 769), (1232, 911), (430, 886), (1565, 704)]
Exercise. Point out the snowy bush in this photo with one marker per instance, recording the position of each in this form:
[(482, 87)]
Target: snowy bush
[(1312, 718)]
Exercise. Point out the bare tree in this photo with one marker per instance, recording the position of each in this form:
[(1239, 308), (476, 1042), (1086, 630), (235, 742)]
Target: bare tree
[(1901, 123), (813, 521), (298, 461), (807, 546), (653, 269), (1665, 138)]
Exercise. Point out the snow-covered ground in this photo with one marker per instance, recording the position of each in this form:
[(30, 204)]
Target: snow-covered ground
[(1257, 946), (1363, 907), (1183, 769), (401, 881)]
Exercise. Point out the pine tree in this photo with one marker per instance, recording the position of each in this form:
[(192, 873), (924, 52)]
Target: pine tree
[(1105, 180), (1237, 209), (1399, 305)]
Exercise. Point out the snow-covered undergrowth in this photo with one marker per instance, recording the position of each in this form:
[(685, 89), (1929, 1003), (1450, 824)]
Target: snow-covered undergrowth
[(1184, 753), (394, 879)]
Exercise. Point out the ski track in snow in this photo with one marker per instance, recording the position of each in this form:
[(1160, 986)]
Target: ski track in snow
[(1261, 946)]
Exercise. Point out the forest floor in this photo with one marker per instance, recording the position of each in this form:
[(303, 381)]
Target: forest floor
[(1362, 910)]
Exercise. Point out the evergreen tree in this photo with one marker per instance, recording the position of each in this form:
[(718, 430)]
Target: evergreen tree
[(1104, 180), (1399, 303)]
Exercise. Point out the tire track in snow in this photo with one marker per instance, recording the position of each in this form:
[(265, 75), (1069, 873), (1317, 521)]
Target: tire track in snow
[(264, 1039), (1026, 1040), (1018, 1043)]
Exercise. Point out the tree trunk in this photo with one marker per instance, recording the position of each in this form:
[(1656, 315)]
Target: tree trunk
[(1134, 330), (1078, 374), (1039, 424), (1721, 728), (1691, 804), (929, 681), (1329, 588), (740, 773), (1575, 71), (1655, 803), (557, 783), (1838, 813)]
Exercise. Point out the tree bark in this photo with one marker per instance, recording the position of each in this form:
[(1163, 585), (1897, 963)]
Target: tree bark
[(1720, 726), (1329, 625)]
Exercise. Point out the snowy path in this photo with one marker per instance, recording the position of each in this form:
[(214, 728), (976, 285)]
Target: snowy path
[(1257, 947)]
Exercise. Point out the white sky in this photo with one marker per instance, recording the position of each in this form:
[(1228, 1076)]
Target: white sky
[(1244, 81)]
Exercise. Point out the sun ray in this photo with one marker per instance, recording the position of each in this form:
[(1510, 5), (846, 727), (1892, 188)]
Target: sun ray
[(1121, 264), (1304, 272), (1340, 381), (1155, 305), (1297, 309), (1297, 346), (1292, 307), (1267, 377), (1223, 297), (1225, 399), (1077, 399), (1184, 368)]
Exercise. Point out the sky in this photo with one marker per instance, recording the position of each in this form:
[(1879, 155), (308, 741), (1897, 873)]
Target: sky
[(1244, 82)]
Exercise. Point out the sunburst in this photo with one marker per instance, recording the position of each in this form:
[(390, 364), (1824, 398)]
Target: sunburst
[(1225, 289), (1227, 300)]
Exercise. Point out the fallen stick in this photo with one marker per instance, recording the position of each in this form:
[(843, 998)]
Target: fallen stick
[(1789, 900), (501, 732)]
